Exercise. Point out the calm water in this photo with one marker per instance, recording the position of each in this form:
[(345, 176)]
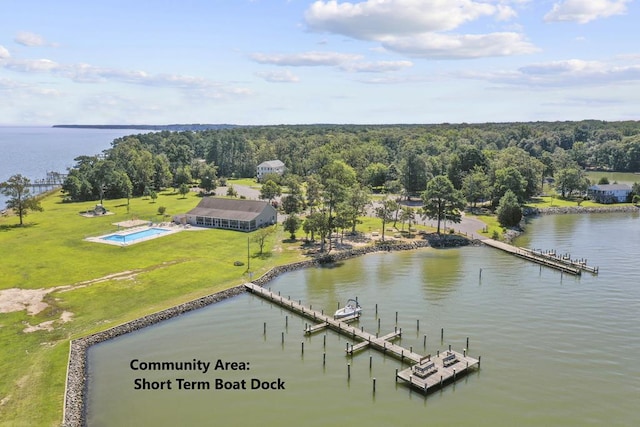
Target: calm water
[(556, 350), (34, 151)]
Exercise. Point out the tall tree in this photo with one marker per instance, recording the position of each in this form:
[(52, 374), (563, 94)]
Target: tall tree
[(413, 173), (385, 211), (509, 211), (441, 201), (208, 178), (571, 179), (475, 186), (270, 190), (16, 188)]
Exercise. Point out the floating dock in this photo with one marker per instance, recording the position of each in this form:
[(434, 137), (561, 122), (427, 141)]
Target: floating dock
[(434, 372), (534, 256), (443, 368)]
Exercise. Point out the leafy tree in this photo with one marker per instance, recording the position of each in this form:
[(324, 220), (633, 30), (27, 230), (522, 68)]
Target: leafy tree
[(183, 176), (354, 206), (183, 190), (154, 195), (530, 169), (291, 224), (508, 178), (407, 214), (260, 236), (413, 173), (317, 222), (571, 179), (208, 178), (375, 175), (16, 188), (231, 192), (441, 201), (603, 181), (509, 211), (102, 177), (314, 190), (475, 186), (270, 190), (386, 212), (337, 177)]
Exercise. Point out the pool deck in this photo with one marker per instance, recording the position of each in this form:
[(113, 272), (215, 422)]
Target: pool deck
[(171, 229)]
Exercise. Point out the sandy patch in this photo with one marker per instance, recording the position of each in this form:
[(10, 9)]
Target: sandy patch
[(44, 326), (15, 299), (131, 223), (66, 316)]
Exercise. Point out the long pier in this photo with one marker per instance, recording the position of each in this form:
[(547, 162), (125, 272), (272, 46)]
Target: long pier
[(448, 369), (566, 266)]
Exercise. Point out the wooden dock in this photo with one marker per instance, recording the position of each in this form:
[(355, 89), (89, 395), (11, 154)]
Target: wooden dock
[(564, 259), (534, 257), (434, 372), (447, 370)]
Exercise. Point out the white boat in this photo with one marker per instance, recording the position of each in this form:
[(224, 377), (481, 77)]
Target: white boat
[(352, 308)]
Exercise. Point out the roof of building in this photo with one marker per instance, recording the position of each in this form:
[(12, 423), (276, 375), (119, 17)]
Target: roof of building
[(271, 164), (239, 209), (610, 187)]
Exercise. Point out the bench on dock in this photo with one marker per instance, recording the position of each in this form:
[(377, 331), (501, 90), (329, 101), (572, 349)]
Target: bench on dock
[(423, 371), (449, 359)]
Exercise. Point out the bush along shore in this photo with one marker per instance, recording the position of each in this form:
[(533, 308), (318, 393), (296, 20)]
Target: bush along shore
[(76, 387)]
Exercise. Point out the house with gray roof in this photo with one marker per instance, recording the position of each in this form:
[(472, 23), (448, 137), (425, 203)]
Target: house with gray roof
[(230, 214), (268, 167), (609, 193)]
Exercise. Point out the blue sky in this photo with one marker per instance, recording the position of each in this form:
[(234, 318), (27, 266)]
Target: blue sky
[(289, 62)]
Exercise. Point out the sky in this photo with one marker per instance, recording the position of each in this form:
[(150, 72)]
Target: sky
[(265, 62)]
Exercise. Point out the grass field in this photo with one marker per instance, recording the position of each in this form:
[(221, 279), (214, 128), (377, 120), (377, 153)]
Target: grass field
[(49, 257), (98, 286)]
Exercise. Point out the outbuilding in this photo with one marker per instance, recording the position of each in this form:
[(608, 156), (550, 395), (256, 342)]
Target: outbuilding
[(230, 214)]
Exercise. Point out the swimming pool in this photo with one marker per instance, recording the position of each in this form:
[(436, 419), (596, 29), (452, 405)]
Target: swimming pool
[(136, 235)]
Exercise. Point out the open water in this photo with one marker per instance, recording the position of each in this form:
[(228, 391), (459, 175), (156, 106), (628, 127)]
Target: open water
[(556, 350), (34, 151)]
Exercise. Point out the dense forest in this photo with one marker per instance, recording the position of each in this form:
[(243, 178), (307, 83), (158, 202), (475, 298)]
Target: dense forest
[(339, 163)]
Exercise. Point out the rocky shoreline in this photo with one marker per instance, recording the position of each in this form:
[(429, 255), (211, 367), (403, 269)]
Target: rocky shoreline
[(76, 384), (578, 210)]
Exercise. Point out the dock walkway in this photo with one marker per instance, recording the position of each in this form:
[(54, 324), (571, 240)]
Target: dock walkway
[(446, 369), (534, 257)]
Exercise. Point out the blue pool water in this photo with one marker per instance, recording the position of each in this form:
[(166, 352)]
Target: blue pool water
[(135, 236)]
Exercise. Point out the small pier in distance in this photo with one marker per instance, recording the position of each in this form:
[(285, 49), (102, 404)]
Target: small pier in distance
[(548, 259), (425, 373)]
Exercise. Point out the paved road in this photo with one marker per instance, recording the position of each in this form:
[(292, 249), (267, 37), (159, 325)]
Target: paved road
[(468, 225)]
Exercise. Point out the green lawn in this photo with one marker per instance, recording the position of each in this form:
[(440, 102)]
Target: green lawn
[(50, 252), (551, 202)]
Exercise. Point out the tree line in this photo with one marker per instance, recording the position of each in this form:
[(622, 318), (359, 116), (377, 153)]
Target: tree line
[(482, 162)]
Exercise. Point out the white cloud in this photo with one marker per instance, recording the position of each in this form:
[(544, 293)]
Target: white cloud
[(371, 19), (4, 53), (86, 73), (26, 38), (376, 67), (568, 73), (460, 46), (582, 11), (421, 28), (278, 76), (305, 58)]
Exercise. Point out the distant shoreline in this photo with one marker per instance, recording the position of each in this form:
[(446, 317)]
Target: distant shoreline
[(174, 127)]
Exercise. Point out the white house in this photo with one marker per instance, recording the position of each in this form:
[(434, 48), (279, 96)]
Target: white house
[(609, 193), (271, 166), (230, 214)]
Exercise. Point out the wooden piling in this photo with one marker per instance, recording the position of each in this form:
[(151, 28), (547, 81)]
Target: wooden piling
[(265, 328)]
